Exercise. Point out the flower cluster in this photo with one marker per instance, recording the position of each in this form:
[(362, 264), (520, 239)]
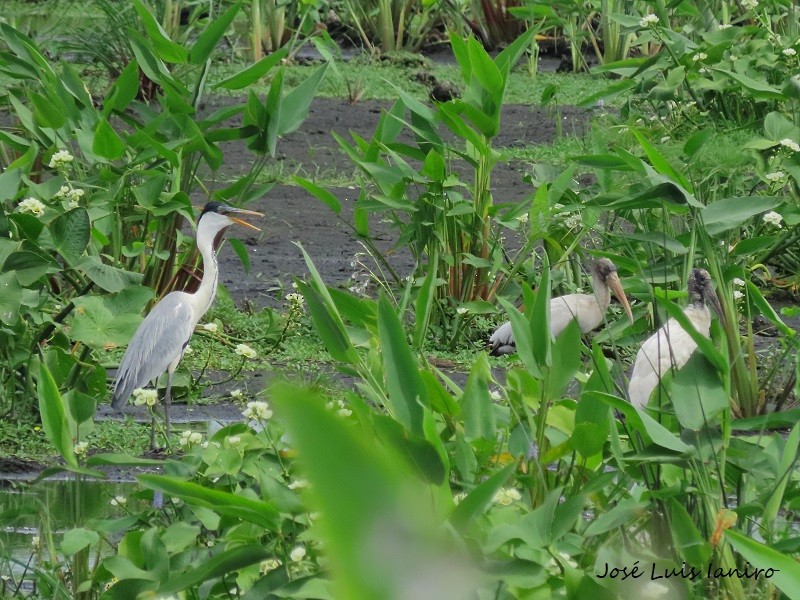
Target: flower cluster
[(507, 496), (211, 327), (260, 411), (189, 437), (142, 397), (341, 408), (237, 394), (294, 303), (298, 553), (74, 195), (32, 206), (648, 21), (269, 565), (245, 351), (749, 4), (81, 448), (118, 501), (573, 221), (773, 218), (61, 159), (790, 144)]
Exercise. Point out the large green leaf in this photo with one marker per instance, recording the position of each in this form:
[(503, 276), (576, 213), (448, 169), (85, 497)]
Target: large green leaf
[(228, 561), (328, 324), (77, 539), (784, 570), (98, 327), (364, 494), (109, 278), (405, 388), (294, 107), (476, 402), (71, 232), (730, 213), (252, 73), (106, 142), (237, 506), (478, 499), (697, 393), (54, 415), (165, 48), (689, 542), (10, 298), (211, 35)]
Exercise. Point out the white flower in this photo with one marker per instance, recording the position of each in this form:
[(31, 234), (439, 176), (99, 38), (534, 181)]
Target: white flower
[(81, 448), (506, 496), (62, 192), (653, 590), (738, 282), (233, 440), (724, 26), (773, 218), (237, 393), (245, 350), (552, 566), (344, 412), (295, 299), (211, 327), (462, 310), (700, 56), (60, 159), (459, 497), (142, 396), (31, 205), (790, 144), (737, 295), (523, 218), (648, 21), (789, 52), (35, 542), (118, 501), (298, 484), (269, 565), (259, 411), (495, 395), (749, 4), (775, 177), (189, 437), (733, 58), (573, 221), (665, 139), (73, 204), (76, 194), (703, 70), (298, 553)]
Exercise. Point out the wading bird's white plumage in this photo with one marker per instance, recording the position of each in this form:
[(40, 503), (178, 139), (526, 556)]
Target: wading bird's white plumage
[(671, 347), (161, 339), (587, 309)]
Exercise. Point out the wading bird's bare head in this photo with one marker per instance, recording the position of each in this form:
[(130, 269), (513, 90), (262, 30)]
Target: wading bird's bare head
[(606, 272), (701, 290), (216, 216)]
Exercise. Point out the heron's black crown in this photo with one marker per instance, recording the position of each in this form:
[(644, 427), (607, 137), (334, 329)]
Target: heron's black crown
[(217, 207)]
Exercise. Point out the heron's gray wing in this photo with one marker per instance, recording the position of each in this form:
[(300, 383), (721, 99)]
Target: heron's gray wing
[(502, 340), (159, 340)]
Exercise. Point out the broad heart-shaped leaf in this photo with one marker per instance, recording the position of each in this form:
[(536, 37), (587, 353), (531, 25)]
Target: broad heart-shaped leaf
[(109, 278), (697, 393), (252, 73), (10, 298), (228, 561), (730, 213), (107, 143), (237, 506), (98, 327), (54, 415), (406, 390), (77, 539), (211, 35), (29, 265), (476, 403), (785, 569), (71, 232), (295, 105)]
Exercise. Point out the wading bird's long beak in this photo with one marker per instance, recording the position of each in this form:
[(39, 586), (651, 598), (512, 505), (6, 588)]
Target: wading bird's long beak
[(616, 286), (710, 297), (241, 211)]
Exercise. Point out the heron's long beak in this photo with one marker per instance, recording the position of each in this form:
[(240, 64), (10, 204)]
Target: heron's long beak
[(616, 286), (241, 211)]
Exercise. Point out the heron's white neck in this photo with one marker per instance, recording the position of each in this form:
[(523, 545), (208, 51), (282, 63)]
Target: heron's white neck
[(210, 225), (601, 292)]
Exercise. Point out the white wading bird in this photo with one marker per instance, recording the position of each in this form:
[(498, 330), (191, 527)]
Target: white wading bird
[(587, 309), (161, 339), (670, 347)]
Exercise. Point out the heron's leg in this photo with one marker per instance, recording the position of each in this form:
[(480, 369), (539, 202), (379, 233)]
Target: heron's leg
[(167, 399)]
